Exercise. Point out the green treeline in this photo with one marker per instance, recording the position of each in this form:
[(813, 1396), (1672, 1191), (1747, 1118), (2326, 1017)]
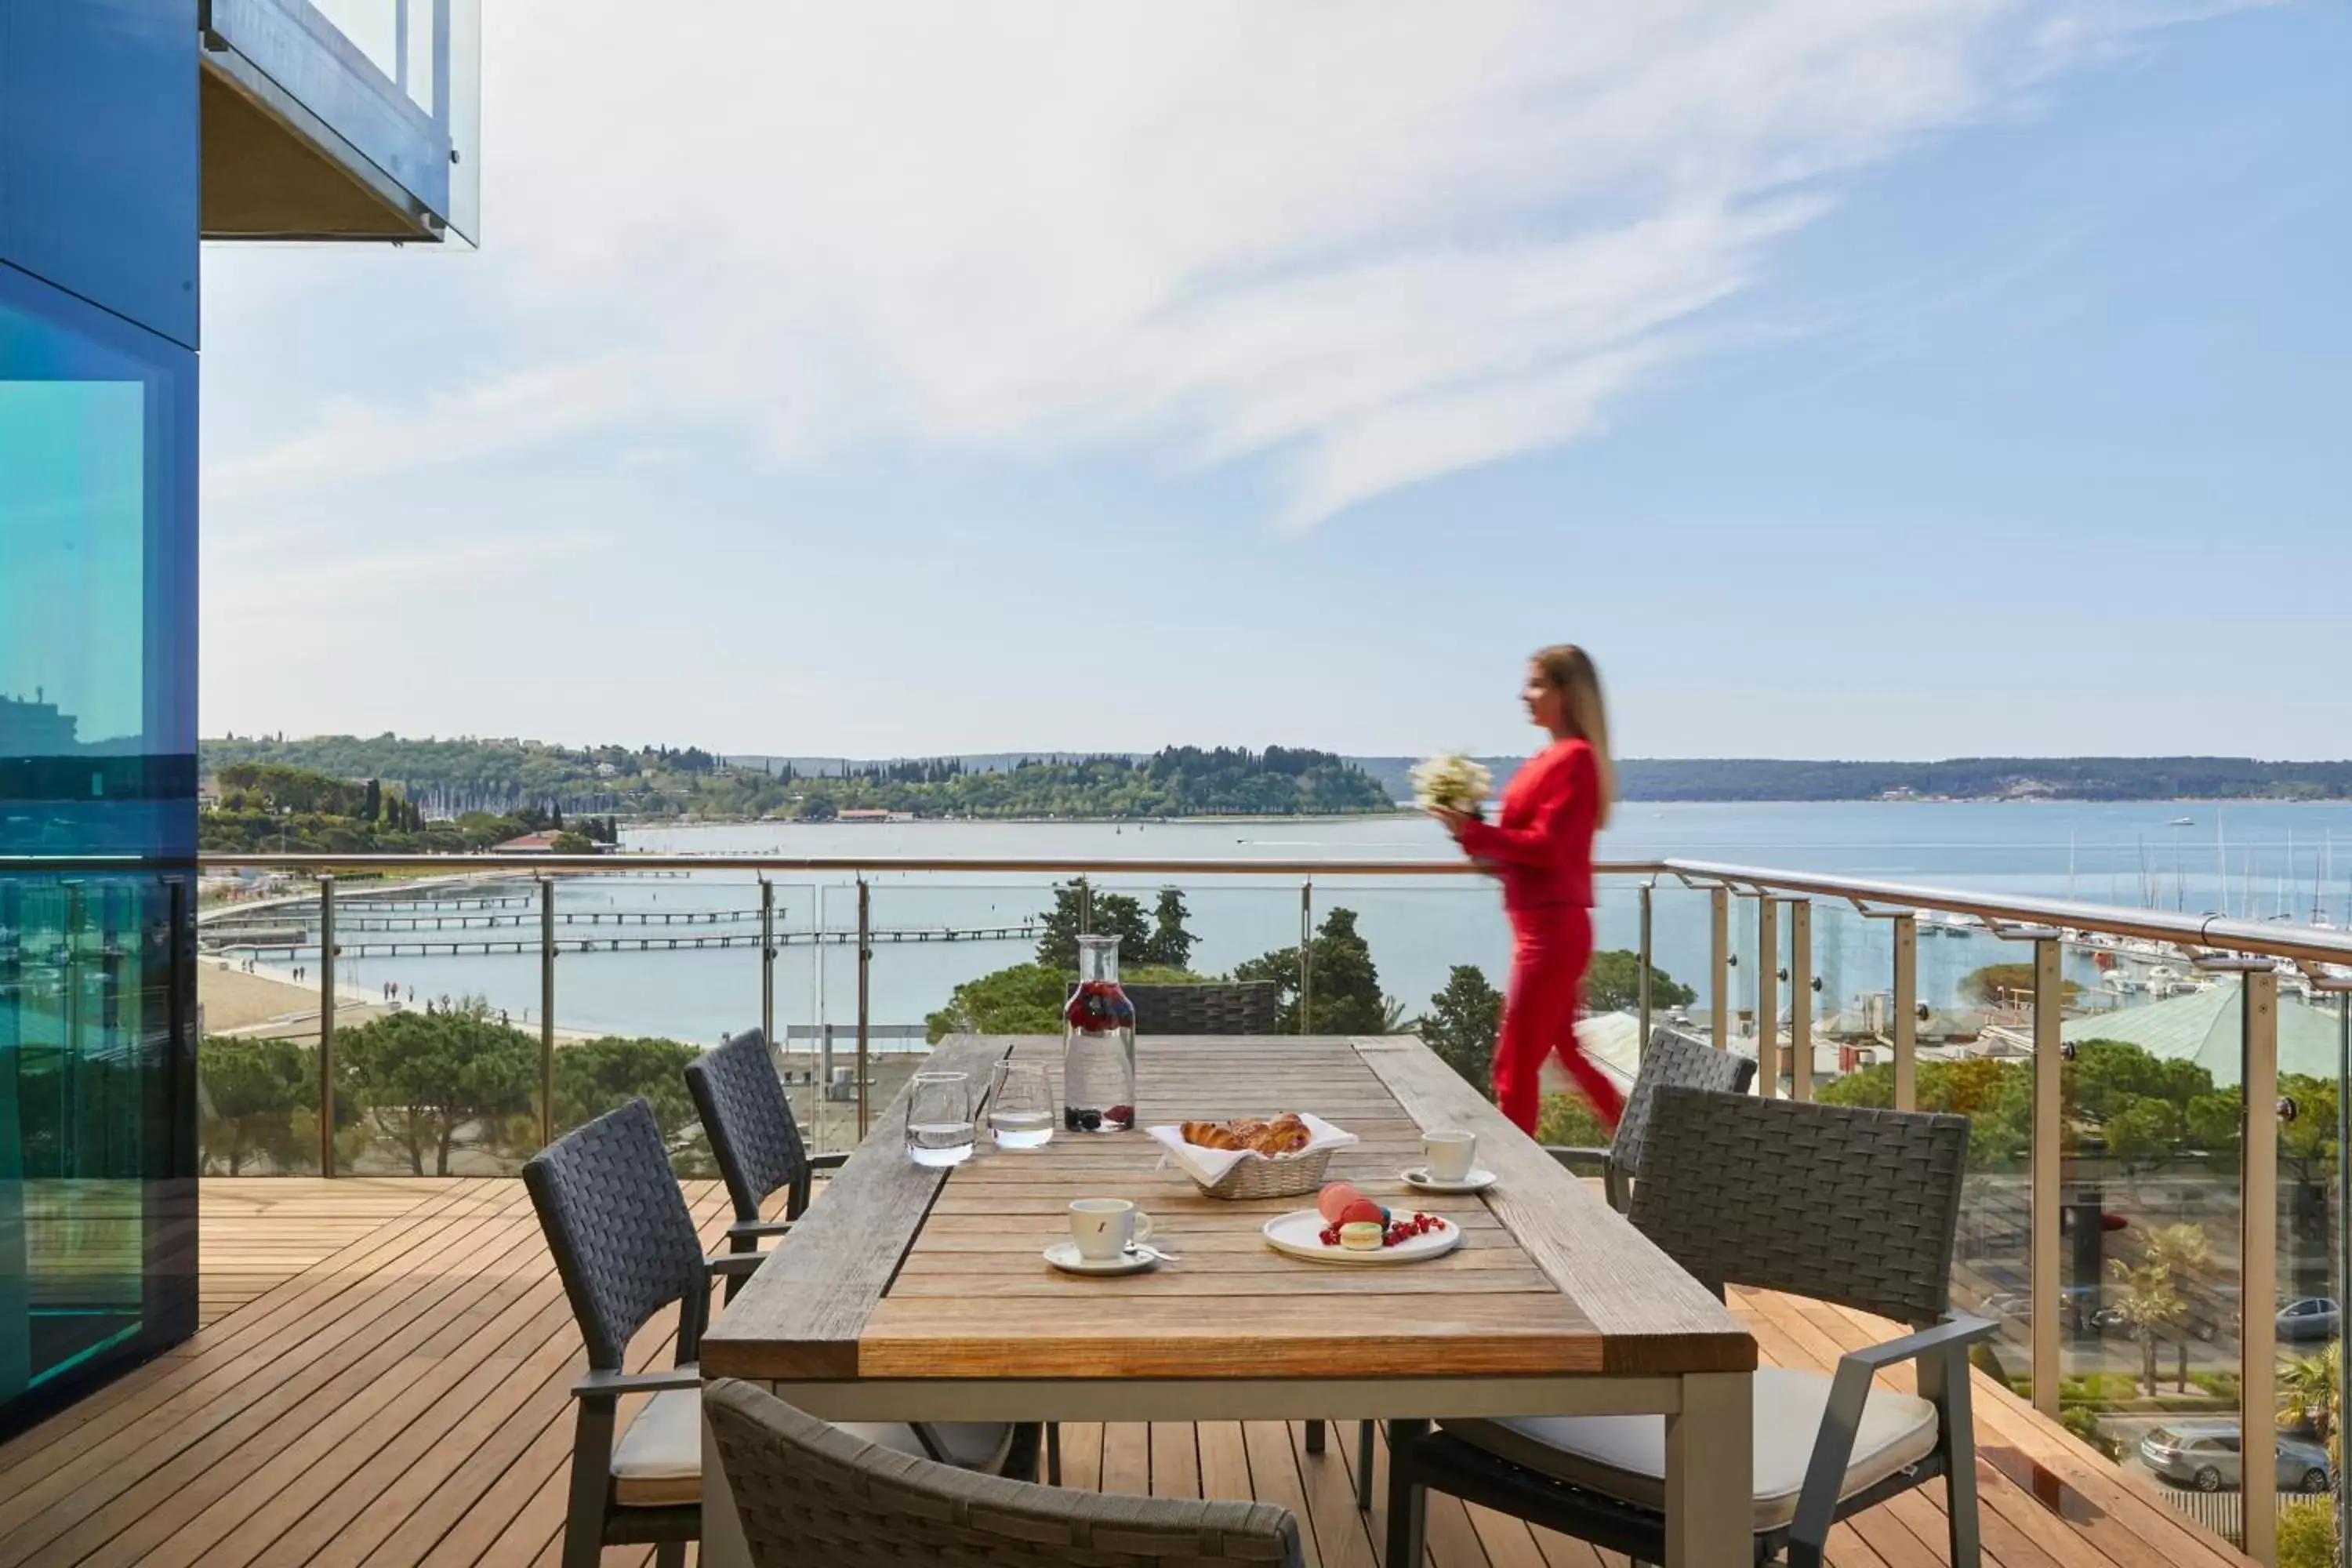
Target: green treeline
[(448, 779), (1961, 778)]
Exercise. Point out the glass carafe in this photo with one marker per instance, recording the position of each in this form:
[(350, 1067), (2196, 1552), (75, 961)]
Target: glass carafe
[(1098, 1044)]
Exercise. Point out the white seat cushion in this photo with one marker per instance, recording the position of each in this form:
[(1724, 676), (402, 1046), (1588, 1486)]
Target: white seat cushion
[(658, 1463), (1624, 1456)]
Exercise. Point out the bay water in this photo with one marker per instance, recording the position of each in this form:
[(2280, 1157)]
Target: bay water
[(2258, 860)]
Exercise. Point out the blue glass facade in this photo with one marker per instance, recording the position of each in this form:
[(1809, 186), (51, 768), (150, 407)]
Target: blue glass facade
[(98, 681)]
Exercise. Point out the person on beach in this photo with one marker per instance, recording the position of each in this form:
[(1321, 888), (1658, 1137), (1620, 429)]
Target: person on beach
[(1541, 845)]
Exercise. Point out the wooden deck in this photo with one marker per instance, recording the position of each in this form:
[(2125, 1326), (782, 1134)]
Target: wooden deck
[(380, 1380)]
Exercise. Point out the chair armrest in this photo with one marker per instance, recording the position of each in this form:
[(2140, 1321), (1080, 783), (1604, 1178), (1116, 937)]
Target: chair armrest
[(1954, 1332), (829, 1162), (617, 1383), (734, 1262), (1572, 1156), (1849, 1391), (760, 1228)]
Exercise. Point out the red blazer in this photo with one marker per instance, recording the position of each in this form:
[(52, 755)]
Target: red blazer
[(1541, 842)]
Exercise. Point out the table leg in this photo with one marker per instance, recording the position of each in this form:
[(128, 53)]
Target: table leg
[(1710, 1473), (723, 1545)]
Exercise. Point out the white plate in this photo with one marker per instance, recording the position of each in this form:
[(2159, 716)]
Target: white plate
[(1477, 1181), (1065, 1255), (1299, 1233)]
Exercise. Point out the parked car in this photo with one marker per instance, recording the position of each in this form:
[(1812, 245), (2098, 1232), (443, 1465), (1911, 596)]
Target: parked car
[(2312, 1318), (2205, 1455)]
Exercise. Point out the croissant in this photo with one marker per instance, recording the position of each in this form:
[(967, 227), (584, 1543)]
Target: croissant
[(1212, 1135)]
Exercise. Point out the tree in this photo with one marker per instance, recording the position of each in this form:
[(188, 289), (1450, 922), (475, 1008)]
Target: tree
[(2151, 1301), (1026, 999), (374, 808), (1115, 914), (253, 1094), (1347, 984), (1460, 1023), (1613, 985), (2308, 1397), (1566, 1120), (1169, 944), (424, 1079), (1997, 1097), (596, 1076), (2306, 1536), (570, 842)]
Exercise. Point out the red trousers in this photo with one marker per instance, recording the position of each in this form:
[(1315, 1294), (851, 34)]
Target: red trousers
[(1550, 952)]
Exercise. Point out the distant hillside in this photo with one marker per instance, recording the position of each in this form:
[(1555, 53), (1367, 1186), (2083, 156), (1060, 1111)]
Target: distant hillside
[(1960, 778), (455, 777)]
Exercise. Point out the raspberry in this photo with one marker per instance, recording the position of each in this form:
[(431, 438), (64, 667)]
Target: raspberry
[(1122, 1114)]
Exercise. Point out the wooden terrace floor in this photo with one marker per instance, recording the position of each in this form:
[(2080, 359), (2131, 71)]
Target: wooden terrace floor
[(381, 1379)]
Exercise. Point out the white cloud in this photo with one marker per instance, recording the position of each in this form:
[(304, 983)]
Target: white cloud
[(1375, 242)]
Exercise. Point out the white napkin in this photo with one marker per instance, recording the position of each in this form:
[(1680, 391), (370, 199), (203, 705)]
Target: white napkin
[(1208, 1166)]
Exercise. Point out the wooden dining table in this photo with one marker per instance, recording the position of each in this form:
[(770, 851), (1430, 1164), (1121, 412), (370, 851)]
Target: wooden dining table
[(915, 1293)]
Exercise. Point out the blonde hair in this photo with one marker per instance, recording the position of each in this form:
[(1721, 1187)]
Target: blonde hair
[(1569, 671)]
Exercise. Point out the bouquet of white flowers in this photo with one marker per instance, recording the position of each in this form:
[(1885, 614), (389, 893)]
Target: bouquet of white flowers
[(1451, 784)]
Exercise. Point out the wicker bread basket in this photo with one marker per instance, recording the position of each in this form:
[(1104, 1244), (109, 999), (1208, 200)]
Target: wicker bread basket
[(1261, 1177)]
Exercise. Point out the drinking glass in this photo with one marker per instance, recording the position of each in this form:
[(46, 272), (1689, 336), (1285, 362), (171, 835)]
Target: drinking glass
[(1021, 1106), (939, 1119)]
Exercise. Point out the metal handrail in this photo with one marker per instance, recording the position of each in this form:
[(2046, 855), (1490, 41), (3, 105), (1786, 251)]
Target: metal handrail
[(2304, 945)]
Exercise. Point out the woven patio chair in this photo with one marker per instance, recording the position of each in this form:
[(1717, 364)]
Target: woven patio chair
[(1671, 1058), (625, 1247), (1849, 1207), (755, 1138), (808, 1492)]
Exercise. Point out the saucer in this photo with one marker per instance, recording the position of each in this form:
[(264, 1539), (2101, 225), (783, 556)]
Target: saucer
[(1064, 1255), (1418, 1177)]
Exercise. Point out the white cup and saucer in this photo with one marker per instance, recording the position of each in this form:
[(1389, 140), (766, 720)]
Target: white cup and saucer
[(1107, 1235), (1449, 1163)]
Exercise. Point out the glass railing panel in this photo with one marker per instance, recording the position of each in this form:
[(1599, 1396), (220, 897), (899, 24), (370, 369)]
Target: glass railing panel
[(1851, 993), (2150, 1289), (1682, 945), (2312, 1040)]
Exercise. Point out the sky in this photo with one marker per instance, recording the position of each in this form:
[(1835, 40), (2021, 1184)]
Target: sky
[(1855, 378)]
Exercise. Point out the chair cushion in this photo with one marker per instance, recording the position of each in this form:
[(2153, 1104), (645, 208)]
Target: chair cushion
[(658, 1463), (1624, 1456)]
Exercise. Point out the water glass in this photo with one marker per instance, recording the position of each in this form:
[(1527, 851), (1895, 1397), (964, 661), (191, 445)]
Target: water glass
[(939, 1119), (1021, 1106)]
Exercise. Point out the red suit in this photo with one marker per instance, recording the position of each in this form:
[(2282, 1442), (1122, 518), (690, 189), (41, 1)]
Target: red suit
[(1541, 846)]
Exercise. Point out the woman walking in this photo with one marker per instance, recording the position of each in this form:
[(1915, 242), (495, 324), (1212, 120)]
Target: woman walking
[(1541, 846)]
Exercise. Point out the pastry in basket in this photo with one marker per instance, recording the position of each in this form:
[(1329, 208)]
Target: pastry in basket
[(1285, 1134)]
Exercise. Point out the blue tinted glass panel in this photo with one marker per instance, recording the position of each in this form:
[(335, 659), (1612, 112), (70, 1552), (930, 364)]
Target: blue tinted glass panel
[(96, 821)]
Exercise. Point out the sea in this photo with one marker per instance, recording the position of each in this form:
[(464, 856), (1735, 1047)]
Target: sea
[(2259, 860)]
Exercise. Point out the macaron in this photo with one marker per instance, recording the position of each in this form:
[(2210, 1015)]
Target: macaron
[(1362, 1236), (1334, 1199)]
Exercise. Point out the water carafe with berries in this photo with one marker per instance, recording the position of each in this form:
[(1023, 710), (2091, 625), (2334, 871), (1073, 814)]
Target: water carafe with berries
[(1098, 1044)]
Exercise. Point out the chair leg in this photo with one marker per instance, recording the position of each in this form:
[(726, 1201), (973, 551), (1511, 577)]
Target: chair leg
[(1407, 1500), (1364, 1467), (1053, 1453), (592, 1481), (1960, 1480), (1315, 1437)]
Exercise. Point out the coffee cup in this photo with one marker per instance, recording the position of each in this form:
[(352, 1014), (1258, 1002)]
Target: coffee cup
[(1102, 1228), (1449, 1154)]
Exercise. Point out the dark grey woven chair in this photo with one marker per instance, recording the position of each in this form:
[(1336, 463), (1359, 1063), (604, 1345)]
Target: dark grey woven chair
[(625, 1247), (810, 1493), (1224, 1007), (1845, 1206), (755, 1139), (1671, 1058)]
